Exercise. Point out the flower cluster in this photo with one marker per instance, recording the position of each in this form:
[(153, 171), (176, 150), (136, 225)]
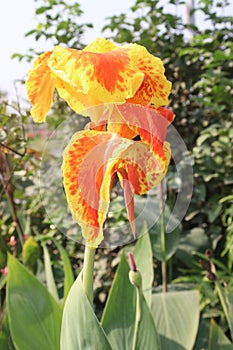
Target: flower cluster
[(126, 88)]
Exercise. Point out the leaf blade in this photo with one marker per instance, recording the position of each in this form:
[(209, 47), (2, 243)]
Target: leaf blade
[(217, 339), (49, 274), (80, 326), (118, 322), (143, 256), (32, 310), (68, 272), (176, 316)]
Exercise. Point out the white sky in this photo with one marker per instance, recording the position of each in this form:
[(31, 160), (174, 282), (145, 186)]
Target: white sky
[(18, 17)]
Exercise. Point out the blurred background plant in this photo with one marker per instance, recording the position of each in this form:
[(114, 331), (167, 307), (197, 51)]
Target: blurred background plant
[(198, 60)]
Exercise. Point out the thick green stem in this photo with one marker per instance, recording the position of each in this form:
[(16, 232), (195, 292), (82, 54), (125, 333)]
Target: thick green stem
[(163, 241), (88, 267), (135, 278), (138, 316)]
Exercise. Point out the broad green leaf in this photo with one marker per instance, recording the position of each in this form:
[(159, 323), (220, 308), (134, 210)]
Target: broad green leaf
[(147, 337), (68, 272), (49, 274), (218, 340), (34, 316), (202, 338), (176, 316), (119, 313), (144, 261), (80, 327)]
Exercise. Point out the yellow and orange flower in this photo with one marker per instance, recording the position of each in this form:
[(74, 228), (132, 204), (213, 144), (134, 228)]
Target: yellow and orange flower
[(99, 74), (94, 158), (127, 89)]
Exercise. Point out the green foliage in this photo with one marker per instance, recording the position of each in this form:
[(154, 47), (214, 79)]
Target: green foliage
[(218, 340), (143, 256), (227, 219), (23, 221), (67, 29), (49, 274), (117, 322), (68, 272), (80, 327), (30, 252), (18, 164), (176, 316), (34, 316)]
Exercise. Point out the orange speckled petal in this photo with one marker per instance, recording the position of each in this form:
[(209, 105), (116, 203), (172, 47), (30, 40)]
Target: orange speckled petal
[(101, 73), (100, 45), (91, 78), (115, 122), (81, 164), (144, 171), (139, 172), (40, 87), (89, 167), (155, 88), (91, 161), (149, 124), (167, 114)]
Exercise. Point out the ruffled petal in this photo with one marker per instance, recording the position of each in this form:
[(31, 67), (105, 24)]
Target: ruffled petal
[(140, 171), (40, 87), (89, 167), (100, 45), (167, 114), (99, 74), (90, 164), (155, 88), (150, 124), (144, 170), (96, 77)]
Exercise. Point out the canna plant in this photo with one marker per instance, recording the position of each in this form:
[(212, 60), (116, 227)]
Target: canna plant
[(125, 138), (123, 91)]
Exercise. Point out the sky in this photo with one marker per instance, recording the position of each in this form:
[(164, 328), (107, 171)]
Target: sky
[(18, 17)]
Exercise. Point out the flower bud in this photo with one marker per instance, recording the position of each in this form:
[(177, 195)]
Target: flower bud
[(135, 278)]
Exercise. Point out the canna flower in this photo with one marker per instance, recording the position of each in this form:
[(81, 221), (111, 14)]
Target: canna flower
[(95, 158), (127, 89), (100, 73)]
